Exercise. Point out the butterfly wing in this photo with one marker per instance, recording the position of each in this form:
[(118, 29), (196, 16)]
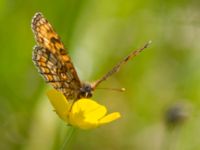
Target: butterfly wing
[(51, 59)]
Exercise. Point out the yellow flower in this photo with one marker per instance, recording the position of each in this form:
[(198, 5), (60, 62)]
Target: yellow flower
[(84, 113)]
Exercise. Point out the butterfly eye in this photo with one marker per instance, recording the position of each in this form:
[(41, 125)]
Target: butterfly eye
[(86, 91)]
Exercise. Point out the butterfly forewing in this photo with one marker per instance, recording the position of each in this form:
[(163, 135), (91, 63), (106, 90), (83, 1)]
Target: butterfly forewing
[(51, 59)]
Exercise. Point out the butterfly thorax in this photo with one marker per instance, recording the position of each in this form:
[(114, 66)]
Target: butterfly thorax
[(86, 90)]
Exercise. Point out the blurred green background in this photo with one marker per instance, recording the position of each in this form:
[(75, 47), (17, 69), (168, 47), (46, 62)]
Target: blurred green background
[(160, 108)]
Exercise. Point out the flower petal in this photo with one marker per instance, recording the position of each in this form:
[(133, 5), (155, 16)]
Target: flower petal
[(60, 104), (85, 113), (109, 118), (92, 109)]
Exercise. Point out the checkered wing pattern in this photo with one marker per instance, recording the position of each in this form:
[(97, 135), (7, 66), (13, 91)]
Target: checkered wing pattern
[(52, 60)]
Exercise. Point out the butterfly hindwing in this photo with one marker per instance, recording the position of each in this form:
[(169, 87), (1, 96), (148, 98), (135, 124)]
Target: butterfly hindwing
[(52, 60)]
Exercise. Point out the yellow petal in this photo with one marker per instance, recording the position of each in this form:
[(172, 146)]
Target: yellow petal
[(85, 113), (60, 103), (109, 118), (91, 108)]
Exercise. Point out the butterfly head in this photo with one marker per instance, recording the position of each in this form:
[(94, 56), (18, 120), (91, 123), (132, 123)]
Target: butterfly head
[(86, 90)]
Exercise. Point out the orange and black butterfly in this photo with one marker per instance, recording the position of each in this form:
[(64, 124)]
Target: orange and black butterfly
[(54, 64)]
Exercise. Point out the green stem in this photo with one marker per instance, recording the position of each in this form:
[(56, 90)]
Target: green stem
[(68, 138)]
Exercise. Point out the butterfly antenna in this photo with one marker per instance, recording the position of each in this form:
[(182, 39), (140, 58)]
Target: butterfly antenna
[(117, 67), (113, 89)]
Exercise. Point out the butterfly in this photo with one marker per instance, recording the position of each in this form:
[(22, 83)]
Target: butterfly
[(54, 63)]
